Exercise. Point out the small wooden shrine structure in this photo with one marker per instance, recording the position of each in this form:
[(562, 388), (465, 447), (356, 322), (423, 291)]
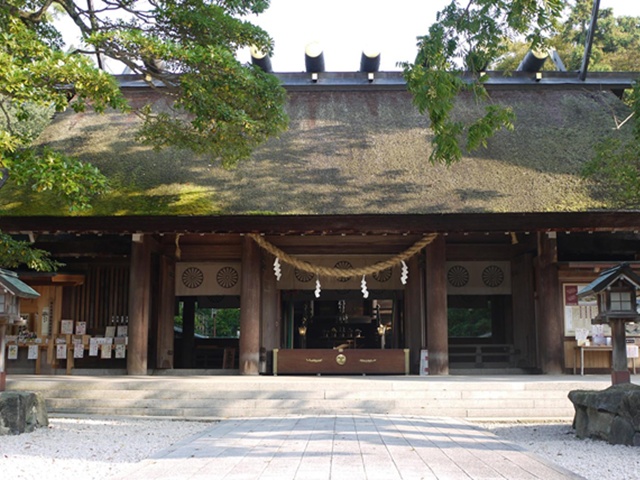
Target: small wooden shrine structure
[(12, 289), (616, 290)]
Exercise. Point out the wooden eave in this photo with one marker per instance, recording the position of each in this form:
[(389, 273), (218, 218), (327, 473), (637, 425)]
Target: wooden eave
[(621, 272), (10, 282), (346, 81), (55, 279), (375, 224)]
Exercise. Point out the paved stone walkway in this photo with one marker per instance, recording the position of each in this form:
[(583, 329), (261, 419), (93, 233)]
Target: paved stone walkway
[(366, 447)]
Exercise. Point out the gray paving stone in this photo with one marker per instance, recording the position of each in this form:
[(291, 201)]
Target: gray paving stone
[(349, 447)]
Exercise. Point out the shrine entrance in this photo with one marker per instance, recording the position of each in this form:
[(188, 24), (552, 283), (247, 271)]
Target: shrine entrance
[(366, 334), (481, 332), (343, 319), (207, 332)]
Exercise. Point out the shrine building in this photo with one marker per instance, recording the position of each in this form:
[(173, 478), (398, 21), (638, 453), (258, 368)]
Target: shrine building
[(475, 266)]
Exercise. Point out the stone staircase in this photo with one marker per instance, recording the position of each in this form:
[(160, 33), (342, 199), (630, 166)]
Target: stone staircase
[(207, 397)]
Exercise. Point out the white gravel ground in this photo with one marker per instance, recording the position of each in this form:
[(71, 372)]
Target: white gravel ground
[(557, 442), (99, 448), (86, 448)]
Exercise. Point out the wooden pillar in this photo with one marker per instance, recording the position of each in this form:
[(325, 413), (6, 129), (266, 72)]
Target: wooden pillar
[(619, 362), (3, 349), (250, 308), (523, 310), (166, 311), (413, 315), (139, 297), (550, 322), (270, 328), (188, 344), (436, 295)]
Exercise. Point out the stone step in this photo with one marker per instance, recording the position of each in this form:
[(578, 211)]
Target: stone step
[(461, 408), (522, 397)]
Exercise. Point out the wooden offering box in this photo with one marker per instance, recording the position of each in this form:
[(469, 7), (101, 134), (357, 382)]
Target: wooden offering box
[(341, 361)]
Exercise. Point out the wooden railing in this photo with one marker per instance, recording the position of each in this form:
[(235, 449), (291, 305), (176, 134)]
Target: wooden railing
[(482, 355)]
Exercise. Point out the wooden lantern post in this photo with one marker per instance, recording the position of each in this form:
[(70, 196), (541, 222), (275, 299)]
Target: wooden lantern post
[(11, 290), (617, 304)]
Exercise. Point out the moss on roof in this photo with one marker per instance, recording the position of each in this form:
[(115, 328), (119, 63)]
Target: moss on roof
[(347, 152)]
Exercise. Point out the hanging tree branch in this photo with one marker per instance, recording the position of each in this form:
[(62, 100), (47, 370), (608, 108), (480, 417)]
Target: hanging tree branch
[(468, 39)]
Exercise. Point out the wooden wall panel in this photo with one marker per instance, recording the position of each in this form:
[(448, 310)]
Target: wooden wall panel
[(102, 298)]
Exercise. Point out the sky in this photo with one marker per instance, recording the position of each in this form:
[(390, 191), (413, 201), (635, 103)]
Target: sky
[(346, 27)]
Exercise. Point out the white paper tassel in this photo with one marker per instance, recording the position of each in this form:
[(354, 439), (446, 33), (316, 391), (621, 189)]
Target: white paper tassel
[(405, 273), (277, 269), (318, 290), (363, 285)]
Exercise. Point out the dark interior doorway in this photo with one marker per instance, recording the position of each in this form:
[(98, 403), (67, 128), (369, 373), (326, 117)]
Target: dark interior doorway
[(207, 332)]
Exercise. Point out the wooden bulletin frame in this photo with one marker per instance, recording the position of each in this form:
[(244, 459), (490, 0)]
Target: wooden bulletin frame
[(578, 312)]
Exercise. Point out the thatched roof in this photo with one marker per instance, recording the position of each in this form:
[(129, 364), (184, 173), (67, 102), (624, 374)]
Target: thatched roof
[(358, 151)]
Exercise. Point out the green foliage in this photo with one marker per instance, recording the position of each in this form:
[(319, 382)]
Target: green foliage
[(14, 253), (215, 322), (469, 322), (227, 322), (615, 44), (615, 167), (35, 80), (184, 48), (212, 322), (73, 181), (469, 38), (221, 108)]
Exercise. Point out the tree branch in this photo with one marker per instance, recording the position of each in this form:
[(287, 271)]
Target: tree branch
[(32, 17), (7, 118), (4, 176), (70, 7)]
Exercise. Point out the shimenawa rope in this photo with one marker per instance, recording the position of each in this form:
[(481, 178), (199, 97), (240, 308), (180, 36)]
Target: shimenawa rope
[(342, 272)]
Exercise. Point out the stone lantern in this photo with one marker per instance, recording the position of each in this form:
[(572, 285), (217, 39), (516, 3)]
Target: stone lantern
[(11, 290), (615, 290)]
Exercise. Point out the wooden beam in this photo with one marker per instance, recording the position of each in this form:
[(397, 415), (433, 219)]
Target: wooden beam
[(478, 252), (329, 224)]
